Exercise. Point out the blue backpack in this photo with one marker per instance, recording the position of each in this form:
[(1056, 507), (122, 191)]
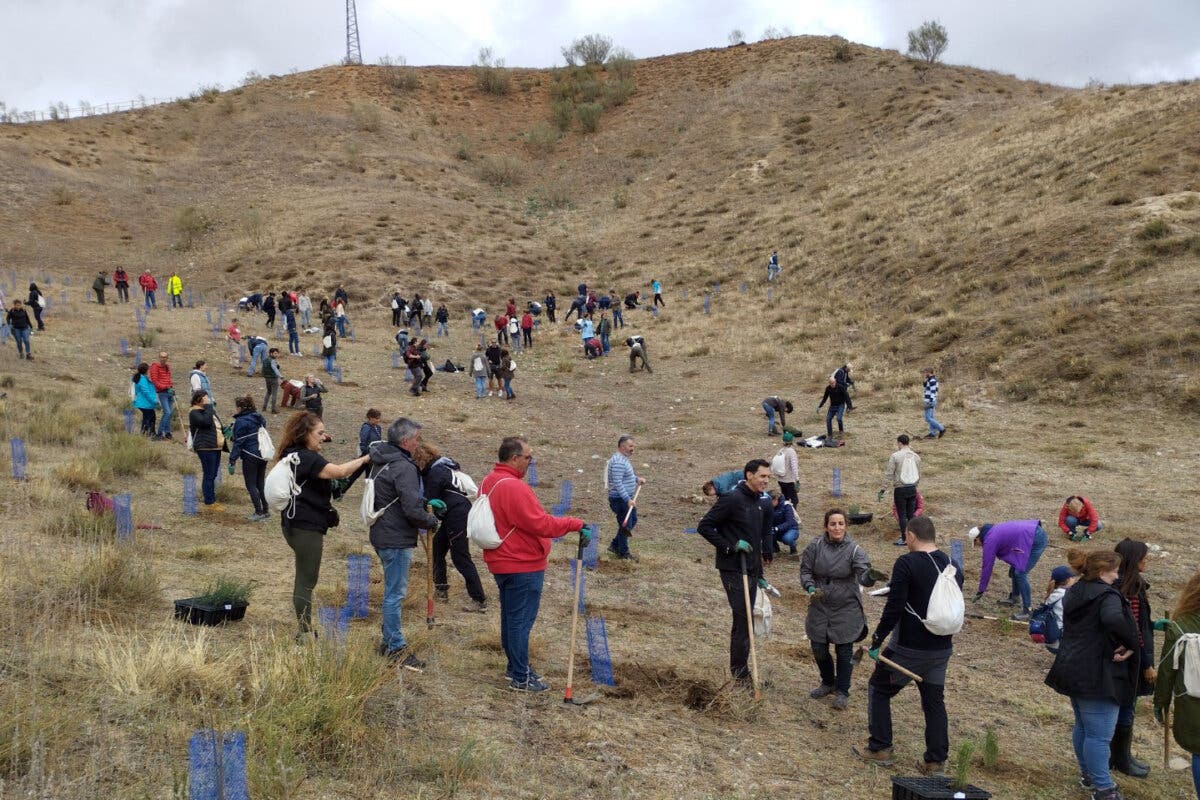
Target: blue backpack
[(1044, 627)]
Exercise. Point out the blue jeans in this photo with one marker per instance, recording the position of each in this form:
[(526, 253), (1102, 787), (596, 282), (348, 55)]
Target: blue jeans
[(1073, 523), (306, 317), (1095, 722), (396, 561), (480, 385), (604, 343), (150, 301), (934, 425), (618, 317), (773, 271), (340, 322), (770, 411), (210, 464), (329, 364), (789, 537), (520, 596), (620, 542), (829, 415), (293, 340), (168, 408), (21, 336), (1020, 578), (443, 329), (508, 392), (256, 355), (176, 301)]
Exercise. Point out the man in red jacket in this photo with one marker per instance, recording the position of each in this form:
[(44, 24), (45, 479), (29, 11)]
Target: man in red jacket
[(160, 376), (1078, 512), (519, 563)]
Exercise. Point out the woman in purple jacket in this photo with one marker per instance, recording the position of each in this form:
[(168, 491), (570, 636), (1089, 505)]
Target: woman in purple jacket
[(1018, 543)]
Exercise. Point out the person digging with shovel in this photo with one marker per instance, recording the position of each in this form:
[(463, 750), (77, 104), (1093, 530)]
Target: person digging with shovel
[(913, 648), (623, 487), (737, 526)]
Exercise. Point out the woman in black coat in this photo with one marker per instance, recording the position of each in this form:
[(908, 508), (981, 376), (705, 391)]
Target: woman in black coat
[(437, 471), (35, 302), (207, 444), (1133, 587), (1097, 667)]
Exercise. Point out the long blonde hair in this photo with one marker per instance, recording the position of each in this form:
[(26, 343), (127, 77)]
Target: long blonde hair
[(296, 431), (424, 454)]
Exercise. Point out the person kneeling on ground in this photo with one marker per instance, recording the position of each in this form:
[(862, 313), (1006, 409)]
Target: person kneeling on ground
[(913, 646), (637, 350), (1077, 512), (785, 525)]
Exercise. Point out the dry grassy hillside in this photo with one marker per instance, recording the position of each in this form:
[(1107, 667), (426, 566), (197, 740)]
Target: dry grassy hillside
[(1032, 243)]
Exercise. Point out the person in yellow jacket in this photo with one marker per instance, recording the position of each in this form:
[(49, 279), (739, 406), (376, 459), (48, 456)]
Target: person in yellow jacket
[(175, 290)]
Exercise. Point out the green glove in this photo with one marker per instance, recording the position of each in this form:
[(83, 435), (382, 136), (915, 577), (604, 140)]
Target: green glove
[(978, 597), (437, 508), (742, 546), (1161, 624), (874, 653), (585, 536), (876, 575), (810, 589), (232, 466), (879, 495), (762, 583), (338, 487)]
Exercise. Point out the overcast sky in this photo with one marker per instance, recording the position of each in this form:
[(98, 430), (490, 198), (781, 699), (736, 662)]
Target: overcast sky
[(110, 51)]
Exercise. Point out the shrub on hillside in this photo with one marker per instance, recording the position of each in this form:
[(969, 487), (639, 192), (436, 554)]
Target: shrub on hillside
[(366, 116), (398, 76), (191, 223), (500, 171), (491, 76), (543, 138), (620, 64), (1154, 229), (591, 49), (617, 92), (736, 37), (563, 111), (772, 33), (928, 42), (588, 115), (841, 49)]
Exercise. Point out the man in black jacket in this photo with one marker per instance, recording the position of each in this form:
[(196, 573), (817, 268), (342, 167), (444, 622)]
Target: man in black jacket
[(839, 402), (736, 526), (401, 507), (912, 645), (18, 322)]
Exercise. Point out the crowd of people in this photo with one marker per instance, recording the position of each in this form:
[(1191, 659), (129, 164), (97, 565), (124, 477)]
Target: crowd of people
[(1102, 626)]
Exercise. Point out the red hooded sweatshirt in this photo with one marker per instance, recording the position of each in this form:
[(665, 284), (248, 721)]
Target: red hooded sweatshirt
[(524, 526)]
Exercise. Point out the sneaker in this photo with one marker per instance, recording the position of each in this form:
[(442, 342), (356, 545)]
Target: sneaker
[(475, 607), (1108, 794), (824, 690), (931, 436), (441, 595), (899, 542), (412, 663), (841, 700), (628, 557), (533, 685), (1022, 617), (941, 433), (881, 757), (29, 357), (508, 676), (1008, 601), (1085, 782), (212, 508), (931, 768)]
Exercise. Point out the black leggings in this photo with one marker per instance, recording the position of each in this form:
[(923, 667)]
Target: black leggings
[(147, 421), (835, 675), (254, 473), (455, 543)]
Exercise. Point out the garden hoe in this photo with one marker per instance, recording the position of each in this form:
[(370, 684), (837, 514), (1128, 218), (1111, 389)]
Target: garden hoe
[(858, 657), (629, 513), (568, 696), (750, 626)]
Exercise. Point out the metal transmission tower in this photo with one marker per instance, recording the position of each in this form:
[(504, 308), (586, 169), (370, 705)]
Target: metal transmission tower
[(353, 50)]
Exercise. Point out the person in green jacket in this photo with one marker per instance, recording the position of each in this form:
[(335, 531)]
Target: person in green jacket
[(1169, 687)]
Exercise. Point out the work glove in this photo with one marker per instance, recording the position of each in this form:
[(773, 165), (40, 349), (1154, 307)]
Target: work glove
[(874, 653), (876, 575), (437, 508), (742, 546), (232, 467), (1161, 624), (338, 487), (762, 583), (879, 495), (585, 536), (978, 596), (810, 589)]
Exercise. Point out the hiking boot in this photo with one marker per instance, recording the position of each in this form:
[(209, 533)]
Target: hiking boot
[(882, 758), (1008, 601), (931, 768), (1108, 794), (841, 700), (628, 557), (212, 508), (412, 663), (1121, 759), (475, 607), (1085, 782), (931, 436), (899, 542), (29, 357), (533, 685), (824, 690), (1021, 617), (441, 595), (941, 433)]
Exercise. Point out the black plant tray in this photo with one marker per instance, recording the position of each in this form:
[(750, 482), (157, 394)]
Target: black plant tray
[(860, 519), (935, 788), (197, 613)]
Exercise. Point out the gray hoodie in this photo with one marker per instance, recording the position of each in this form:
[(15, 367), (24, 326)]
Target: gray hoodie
[(397, 479)]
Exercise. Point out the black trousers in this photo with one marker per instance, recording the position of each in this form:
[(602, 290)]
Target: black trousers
[(395, 318), (835, 675), (788, 490), (886, 683), (456, 544), (906, 505), (739, 632), (254, 474), (550, 313)]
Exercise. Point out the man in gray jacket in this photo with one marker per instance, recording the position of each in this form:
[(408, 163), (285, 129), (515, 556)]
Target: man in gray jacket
[(394, 533)]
